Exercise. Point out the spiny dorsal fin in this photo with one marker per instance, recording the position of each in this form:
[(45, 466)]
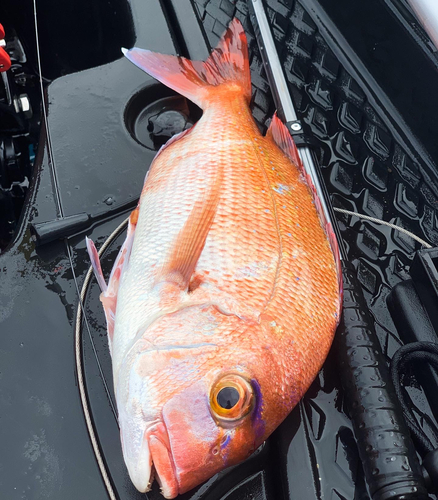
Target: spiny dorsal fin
[(280, 135)]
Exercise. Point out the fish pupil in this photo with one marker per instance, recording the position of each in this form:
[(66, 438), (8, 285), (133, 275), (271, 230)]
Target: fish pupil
[(228, 397)]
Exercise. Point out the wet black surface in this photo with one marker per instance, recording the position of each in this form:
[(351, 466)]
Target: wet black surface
[(368, 129), (73, 37)]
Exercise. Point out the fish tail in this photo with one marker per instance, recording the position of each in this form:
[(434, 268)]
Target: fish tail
[(228, 63)]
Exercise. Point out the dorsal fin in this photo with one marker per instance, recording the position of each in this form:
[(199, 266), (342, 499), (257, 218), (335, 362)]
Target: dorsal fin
[(281, 136), (189, 243)]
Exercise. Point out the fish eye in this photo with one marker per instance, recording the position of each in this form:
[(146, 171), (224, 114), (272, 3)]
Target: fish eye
[(231, 398), (228, 397)]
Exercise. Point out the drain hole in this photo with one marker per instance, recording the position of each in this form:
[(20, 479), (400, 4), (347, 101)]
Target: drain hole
[(155, 114)]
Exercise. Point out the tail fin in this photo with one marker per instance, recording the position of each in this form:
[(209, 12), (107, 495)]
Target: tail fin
[(193, 79)]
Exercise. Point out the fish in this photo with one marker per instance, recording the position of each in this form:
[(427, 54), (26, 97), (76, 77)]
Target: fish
[(223, 301)]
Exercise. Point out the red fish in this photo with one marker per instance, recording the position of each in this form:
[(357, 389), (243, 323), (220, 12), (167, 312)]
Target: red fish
[(224, 299)]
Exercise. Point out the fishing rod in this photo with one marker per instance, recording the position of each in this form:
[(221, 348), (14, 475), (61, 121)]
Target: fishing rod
[(385, 447)]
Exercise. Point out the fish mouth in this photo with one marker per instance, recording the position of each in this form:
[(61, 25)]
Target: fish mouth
[(155, 462)]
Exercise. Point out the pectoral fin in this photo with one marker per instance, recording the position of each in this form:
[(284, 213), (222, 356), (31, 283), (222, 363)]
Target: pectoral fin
[(189, 243)]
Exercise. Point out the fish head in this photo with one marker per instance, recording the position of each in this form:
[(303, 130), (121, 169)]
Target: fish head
[(195, 409), (210, 426)]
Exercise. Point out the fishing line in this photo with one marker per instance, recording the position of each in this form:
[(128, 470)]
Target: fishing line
[(81, 309), (384, 223), (53, 172)]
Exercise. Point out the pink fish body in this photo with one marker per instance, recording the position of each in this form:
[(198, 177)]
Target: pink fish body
[(223, 301)]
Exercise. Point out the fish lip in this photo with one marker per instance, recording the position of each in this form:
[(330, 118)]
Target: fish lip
[(161, 455), (141, 480), (155, 461)]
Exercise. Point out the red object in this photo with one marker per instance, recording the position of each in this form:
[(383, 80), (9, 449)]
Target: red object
[(5, 61)]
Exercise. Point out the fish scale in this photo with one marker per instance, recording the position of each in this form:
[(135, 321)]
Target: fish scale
[(226, 279)]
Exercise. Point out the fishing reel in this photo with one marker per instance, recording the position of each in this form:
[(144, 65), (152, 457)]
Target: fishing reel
[(19, 131)]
